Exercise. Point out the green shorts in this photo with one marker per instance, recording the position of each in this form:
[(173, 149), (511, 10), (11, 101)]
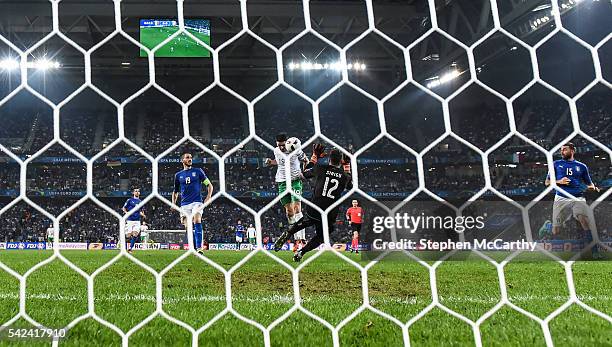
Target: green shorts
[(297, 187)]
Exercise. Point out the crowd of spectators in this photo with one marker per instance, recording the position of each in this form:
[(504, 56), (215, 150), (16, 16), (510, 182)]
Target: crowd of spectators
[(536, 119), (160, 132), (248, 177), (79, 130), (56, 177), (455, 184), (294, 122), (122, 178), (518, 180), (22, 223), (595, 117), (482, 125), (26, 133), (9, 176), (387, 178), (89, 223)]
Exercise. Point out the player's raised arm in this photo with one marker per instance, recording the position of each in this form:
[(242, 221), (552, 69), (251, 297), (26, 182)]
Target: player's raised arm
[(270, 162), (318, 152)]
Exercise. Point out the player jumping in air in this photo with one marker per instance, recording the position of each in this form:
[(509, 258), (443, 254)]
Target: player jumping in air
[(571, 175), (188, 183), (132, 225), (330, 181), (292, 204), (354, 215)]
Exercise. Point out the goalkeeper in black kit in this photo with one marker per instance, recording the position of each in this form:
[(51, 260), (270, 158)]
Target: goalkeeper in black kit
[(330, 181)]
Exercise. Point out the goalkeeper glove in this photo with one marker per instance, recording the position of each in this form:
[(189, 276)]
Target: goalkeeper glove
[(346, 164), (318, 151)]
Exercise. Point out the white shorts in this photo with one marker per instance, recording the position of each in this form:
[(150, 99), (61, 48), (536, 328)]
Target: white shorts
[(192, 209), (300, 235), (238, 239), (565, 208), (132, 227)]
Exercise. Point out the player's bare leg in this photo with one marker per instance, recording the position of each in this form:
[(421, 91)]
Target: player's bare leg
[(290, 216), (297, 215), (296, 240), (587, 234)]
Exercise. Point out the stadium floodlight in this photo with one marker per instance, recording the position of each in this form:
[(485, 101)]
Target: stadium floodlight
[(9, 64), (43, 64), (307, 65), (447, 77)]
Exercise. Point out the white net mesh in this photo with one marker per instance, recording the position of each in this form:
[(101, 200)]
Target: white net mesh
[(315, 103)]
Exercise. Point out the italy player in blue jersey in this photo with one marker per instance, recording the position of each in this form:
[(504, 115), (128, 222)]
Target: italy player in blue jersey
[(573, 178), (188, 184), (132, 226), (240, 237)]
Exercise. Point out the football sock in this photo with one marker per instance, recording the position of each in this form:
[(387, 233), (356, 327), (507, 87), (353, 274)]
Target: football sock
[(589, 238), (132, 242), (297, 217), (197, 235)]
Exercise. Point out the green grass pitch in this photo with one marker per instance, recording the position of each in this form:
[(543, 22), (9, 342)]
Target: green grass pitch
[(194, 292), (180, 46)]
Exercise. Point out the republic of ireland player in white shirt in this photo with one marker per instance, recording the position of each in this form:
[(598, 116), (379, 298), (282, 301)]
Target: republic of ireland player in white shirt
[(293, 207), (50, 232)]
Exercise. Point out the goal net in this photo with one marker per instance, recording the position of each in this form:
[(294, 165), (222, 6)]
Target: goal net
[(440, 109)]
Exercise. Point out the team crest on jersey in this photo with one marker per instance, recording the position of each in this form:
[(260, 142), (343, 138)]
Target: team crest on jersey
[(193, 174), (578, 168)]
